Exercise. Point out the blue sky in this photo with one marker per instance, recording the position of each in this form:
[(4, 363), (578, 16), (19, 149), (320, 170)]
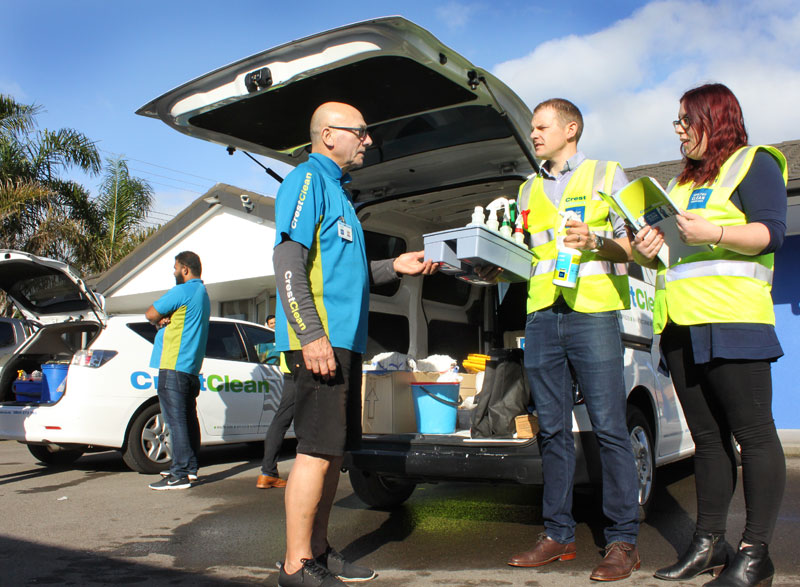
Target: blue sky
[(91, 64)]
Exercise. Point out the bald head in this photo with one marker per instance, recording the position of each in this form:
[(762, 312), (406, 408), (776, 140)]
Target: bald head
[(340, 144)]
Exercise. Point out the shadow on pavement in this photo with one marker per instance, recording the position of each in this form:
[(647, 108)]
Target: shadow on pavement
[(28, 563)]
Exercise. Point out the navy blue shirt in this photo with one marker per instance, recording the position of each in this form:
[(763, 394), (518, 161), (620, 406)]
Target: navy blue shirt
[(761, 196)]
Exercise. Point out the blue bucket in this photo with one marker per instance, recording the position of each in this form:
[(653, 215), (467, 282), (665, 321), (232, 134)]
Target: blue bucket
[(435, 405), (54, 375)]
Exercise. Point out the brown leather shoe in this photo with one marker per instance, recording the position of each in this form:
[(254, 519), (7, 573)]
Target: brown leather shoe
[(545, 551), (266, 481), (621, 559)]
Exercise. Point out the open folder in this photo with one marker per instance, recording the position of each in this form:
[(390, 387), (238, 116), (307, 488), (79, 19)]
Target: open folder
[(644, 202)]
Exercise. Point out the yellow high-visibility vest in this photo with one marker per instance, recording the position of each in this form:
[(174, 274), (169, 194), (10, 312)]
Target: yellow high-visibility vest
[(717, 285), (602, 285)]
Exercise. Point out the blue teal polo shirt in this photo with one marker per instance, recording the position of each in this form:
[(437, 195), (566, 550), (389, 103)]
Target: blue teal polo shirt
[(181, 346), (313, 209)]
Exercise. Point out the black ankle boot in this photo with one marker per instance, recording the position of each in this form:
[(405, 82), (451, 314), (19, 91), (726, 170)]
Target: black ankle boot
[(707, 552), (751, 567)]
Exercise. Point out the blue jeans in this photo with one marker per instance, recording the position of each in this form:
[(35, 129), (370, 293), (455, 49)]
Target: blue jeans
[(554, 338), (177, 393)]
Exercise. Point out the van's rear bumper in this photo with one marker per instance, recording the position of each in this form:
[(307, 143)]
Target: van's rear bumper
[(430, 458)]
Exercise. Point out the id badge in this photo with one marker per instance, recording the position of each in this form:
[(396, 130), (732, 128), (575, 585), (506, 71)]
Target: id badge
[(345, 231)]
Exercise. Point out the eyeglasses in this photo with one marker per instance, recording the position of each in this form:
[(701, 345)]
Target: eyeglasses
[(682, 122), (360, 131)]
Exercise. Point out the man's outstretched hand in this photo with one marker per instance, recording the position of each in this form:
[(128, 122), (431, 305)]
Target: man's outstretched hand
[(414, 263)]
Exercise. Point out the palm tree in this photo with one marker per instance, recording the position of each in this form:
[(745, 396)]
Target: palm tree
[(123, 203), (40, 212)]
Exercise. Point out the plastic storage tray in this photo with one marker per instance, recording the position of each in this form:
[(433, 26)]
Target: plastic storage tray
[(459, 250), (28, 391)]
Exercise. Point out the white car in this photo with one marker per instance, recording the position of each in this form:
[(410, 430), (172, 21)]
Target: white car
[(108, 398)]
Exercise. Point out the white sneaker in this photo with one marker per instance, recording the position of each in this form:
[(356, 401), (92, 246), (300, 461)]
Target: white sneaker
[(191, 476)]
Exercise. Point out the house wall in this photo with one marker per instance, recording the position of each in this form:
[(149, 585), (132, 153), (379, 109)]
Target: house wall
[(236, 252), (786, 297), (232, 246)]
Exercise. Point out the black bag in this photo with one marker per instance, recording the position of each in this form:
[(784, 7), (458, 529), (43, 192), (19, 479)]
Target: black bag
[(504, 396)]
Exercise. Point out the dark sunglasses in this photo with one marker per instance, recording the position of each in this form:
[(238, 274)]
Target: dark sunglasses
[(360, 131)]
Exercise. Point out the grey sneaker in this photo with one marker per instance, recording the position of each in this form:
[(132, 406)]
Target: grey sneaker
[(345, 570), (171, 482), (191, 476), (312, 574)]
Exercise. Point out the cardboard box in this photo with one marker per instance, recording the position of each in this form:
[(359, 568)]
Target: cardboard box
[(387, 406), (467, 387), (527, 426)]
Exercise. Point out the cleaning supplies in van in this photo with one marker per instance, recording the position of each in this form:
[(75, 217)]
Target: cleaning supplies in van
[(390, 362), (475, 362), (438, 363)]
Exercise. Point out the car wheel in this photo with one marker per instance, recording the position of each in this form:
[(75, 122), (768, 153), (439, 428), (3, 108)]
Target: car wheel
[(378, 491), (644, 454), (51, 454), (147, 449)]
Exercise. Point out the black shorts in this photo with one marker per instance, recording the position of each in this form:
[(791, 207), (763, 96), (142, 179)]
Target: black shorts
[(327, 414)]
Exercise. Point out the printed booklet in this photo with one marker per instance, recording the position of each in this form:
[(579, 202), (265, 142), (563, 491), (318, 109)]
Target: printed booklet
[(644, 201)]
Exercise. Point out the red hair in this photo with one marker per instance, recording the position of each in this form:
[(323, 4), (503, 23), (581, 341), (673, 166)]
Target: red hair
[(715, 112)]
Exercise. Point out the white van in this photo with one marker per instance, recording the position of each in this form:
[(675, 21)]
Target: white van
[(447, 136)]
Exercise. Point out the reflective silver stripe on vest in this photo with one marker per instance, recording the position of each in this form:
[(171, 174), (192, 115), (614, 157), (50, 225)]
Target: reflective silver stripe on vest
[(599, 182), (544, 266), (587, 268), (719, 268), (542, 237), (733, 171), (602, 268)]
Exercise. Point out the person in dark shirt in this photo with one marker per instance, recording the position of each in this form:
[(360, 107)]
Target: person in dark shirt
[(715, 311)]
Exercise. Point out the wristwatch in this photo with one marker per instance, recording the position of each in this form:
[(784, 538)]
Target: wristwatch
[(599, 241)]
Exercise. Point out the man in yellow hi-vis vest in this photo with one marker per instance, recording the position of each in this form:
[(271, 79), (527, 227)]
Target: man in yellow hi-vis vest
[(577, 326)]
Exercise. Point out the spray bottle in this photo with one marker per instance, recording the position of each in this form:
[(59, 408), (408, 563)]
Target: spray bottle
[(492, 208), (568, 259), (477, 217), (519, 235)]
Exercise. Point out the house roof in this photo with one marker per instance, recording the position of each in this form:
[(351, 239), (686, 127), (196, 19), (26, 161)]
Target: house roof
[(264, 207), (666, 170), (219, 195)]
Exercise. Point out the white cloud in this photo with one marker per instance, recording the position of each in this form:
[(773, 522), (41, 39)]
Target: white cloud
[(627, 78), (13, 89), (456, 15)]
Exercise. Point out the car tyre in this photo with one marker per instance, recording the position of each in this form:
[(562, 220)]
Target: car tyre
[(51, 454), (379, 491), (641, 436), (147, 449)]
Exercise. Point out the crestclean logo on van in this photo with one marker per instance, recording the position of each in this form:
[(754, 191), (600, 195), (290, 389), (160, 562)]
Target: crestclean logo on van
[(143, 380), (301, 199), (640, 299)]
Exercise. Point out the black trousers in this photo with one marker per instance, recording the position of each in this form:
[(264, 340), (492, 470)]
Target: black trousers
[(277, 429), (721, 398)]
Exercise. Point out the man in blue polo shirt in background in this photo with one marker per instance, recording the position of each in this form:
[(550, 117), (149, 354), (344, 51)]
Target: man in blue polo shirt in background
[(181, 316)]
